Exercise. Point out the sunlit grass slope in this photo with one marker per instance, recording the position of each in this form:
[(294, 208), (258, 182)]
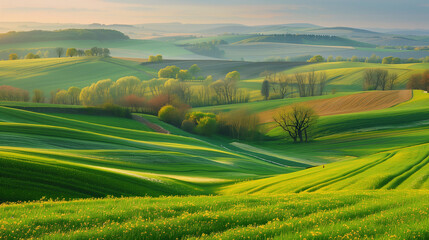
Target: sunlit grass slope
[(407, 168), (80, 158), (62, 73), (343, 215)]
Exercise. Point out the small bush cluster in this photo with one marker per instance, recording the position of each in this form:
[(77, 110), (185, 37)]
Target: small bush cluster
[(9, 93), (239, 124), (200, 123)]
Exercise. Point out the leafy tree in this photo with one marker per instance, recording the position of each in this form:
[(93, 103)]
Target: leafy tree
[(194, 70), (206, 126), (297, 121), (188, 125), (80, 53), (152, 59), (71, 52), (30, 56), (170, 114), (339, 59), (233, 76), (183, 75), (106, 52), (125, 86), (330, 58), (387, 60), (159, 58), (396, 60), (13, 56), (316, 59), (60, 51), (168, 72), (265, 89), (38, 96), (354, 59), (62, 97), (74, 94), (88, 52)]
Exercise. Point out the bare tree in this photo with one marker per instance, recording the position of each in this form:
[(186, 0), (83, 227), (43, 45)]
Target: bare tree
[(322, 83), (311, 88), (391, 80), (375, 78), (283, 82), (300, 81), (297, 121), (60, 51)]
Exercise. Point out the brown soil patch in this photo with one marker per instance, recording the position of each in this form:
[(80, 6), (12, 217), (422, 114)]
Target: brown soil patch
[(360, 102)]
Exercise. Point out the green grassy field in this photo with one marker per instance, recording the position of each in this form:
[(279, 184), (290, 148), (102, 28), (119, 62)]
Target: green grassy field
[(406, 168), (369, 175), (120, 48), (80, 156), (53, 73), (344, 215)]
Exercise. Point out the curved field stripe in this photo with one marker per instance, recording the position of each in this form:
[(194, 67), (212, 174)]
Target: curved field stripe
[(346, 175)]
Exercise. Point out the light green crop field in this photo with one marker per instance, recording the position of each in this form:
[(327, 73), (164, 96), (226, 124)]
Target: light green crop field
[(343, 215), (259, 51), (406, 168), (53, 73), (347, 76)]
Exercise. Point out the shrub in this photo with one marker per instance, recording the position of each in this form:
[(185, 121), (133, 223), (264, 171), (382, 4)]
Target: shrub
[(155, 104), (9, 93), (170, 114), (206, 126), (116, 110), (316, 59), (188, 125), (239, 124)]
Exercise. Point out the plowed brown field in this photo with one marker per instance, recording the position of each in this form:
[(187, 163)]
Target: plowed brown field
[(352, 103)]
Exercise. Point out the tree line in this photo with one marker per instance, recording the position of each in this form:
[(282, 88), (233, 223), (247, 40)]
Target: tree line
[(419, 81), (207, 49), (379, 79), (279, 85), (372, 59)]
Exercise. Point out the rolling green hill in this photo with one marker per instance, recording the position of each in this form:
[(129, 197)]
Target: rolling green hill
[(306, 39), (406, 168), (53, 73), (80, 156)]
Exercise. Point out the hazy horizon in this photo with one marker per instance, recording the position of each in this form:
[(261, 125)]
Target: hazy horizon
[(393, 14)]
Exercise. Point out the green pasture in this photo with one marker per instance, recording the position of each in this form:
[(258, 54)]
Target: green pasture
[(345, 214)]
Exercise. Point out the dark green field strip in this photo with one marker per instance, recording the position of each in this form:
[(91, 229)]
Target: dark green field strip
[(367, 214), (56, 179)]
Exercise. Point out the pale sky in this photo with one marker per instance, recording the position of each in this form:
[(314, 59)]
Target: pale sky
[(409, 14)]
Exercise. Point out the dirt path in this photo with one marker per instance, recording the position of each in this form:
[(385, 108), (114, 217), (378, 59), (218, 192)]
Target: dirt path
[(153, 126)]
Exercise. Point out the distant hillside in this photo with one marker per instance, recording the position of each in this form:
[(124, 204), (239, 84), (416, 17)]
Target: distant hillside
[(307, 39), (67, 34)]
